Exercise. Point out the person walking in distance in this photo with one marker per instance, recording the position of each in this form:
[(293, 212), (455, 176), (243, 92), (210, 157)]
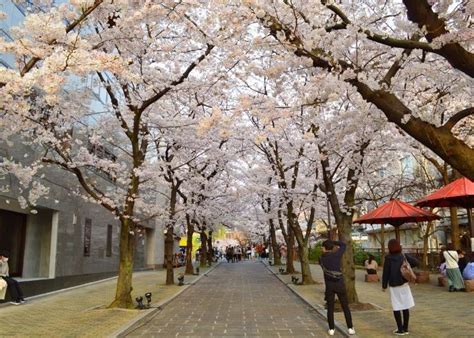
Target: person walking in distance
[(400, 292), (330, 262), (455, 281)]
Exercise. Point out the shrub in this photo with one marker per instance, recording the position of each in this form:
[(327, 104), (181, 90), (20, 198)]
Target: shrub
[(315, 253), (360, 255)]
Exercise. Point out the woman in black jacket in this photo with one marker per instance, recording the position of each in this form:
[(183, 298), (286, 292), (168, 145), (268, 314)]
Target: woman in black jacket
[(400, 293)]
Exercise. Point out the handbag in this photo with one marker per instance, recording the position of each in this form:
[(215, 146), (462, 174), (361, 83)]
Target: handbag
[(407, 271)]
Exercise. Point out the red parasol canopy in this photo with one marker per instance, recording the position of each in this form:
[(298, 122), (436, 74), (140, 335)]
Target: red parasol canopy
[(396, 212), (459, 193)]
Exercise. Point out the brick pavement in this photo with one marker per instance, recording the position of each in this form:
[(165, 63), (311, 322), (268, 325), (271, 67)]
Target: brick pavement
[(437, 312), (240, 300), (80, 312)]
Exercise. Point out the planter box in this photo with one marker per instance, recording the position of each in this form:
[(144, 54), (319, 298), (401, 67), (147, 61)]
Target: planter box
[(372, 278), (469, 284), (422, 277), (442, 281)]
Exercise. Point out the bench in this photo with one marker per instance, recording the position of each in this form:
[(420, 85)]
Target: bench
[(372, 278)]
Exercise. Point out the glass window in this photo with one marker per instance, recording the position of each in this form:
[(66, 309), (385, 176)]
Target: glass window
[(108, 249), (87, 237)]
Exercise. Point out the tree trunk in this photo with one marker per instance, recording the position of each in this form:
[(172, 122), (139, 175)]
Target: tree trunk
[(455, 233), (123, 293), (275, 247), (169, 255), (290, 268), (203, 255), (348, 268), (303, 253), (189, 247), (426, 237), (210, 250)]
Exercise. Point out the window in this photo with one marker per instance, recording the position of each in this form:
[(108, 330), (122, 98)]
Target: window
[(108, 248), (87, 237)]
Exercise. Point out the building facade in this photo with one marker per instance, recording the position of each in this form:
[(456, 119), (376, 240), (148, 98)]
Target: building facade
[(63, 240)]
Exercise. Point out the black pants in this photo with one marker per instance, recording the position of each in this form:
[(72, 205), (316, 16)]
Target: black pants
[(14, 289), (333, 289), (402, 326)]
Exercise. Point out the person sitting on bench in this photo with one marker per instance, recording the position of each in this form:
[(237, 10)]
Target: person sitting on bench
[(371, 265), (13, 285)]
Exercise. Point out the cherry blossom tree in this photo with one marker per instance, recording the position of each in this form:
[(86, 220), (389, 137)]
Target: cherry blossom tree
[(139, 55), (395, 55)]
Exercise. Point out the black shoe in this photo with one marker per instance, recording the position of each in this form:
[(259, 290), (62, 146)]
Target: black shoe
[(398, 333), (17, 302), (451, 289)]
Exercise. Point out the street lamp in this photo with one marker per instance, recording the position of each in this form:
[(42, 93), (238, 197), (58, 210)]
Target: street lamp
[(148, 298), (180, 280), (140, 305)]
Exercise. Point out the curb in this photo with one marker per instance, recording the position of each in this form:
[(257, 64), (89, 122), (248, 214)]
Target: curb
[(321, 312), (157, 307), (41, 295)]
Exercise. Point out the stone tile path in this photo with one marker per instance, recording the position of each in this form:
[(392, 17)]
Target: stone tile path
[(236, 300), (437, 312), (80, 312)]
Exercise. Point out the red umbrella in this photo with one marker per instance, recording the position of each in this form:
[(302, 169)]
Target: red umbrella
[(396, 213), (459, 193)]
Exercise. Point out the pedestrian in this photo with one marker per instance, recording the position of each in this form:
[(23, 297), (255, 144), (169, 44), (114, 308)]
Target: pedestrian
[(468, 273), (455, 281), (13, 285), (462, 262), (400, 292), (371, 265), (330, 262)]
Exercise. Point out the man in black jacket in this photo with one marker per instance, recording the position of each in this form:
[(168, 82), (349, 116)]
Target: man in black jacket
[(331, 264)]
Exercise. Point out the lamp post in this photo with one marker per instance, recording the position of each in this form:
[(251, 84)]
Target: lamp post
[(148, 298), (180, 280), (140, 304)]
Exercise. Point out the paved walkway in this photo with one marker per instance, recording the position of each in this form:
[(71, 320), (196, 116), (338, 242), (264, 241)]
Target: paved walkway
[(437, 312), (240, 300), (81, 312)]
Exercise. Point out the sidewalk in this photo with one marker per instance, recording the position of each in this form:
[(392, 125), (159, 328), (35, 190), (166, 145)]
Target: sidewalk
[(81, 311), (437, 313)]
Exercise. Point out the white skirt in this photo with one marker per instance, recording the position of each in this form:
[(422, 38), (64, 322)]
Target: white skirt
[(401, 297)]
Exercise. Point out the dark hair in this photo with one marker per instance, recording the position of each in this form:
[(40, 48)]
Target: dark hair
[(4, 253), (394, 246), (449, 246), (328, 245), (371, 258)]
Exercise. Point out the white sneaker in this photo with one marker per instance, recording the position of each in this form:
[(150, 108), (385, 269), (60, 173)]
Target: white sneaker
[(331, 332), (351, 331)]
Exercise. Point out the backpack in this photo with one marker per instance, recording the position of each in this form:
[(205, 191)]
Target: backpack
[(407, 271)]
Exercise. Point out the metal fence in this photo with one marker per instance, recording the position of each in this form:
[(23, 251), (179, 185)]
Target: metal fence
[(433, 257)]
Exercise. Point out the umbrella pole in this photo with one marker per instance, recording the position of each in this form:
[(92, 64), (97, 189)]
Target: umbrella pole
[(471, 227), (397, 234)]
